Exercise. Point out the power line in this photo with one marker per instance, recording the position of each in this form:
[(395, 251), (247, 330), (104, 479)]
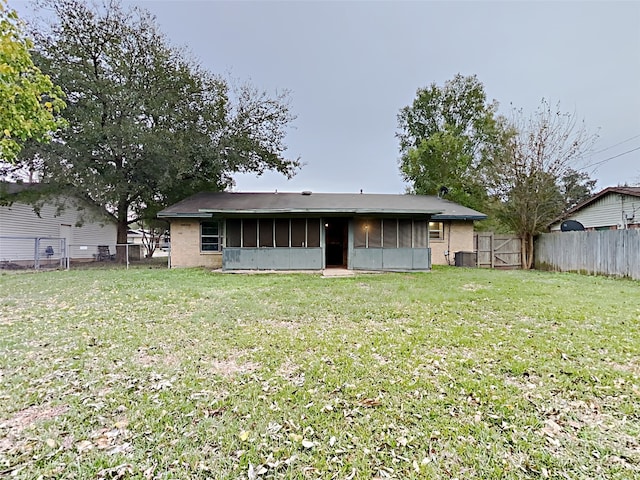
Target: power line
[(600, 162), (616, 144)]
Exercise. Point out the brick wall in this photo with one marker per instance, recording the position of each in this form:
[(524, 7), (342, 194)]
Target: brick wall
[(461, 241), (185, 246)]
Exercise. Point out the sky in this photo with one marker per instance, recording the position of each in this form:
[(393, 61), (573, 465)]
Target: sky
[(351, 66)]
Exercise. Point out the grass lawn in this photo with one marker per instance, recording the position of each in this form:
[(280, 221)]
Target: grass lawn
[(456, 373)]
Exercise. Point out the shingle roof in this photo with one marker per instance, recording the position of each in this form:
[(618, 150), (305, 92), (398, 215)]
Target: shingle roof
[(206, 204)]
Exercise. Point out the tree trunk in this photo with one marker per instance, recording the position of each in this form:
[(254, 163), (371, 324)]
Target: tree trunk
[(527, 251), (121, 240), (530, 253)]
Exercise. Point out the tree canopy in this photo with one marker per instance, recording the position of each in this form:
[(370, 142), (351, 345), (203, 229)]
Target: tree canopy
[(523, 171), (30, 103), (147, 124), (537, 177), (445, 136)]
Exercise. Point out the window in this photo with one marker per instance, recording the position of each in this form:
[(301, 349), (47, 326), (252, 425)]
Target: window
[(405, 229), (249, 233), (420, 234), (360, 234), (282, 232), (436, 230), (270, 233), (298, 232), (368, 233), (390, 233), (266, 232), (313, 232), (375, 234), (234, 232), (209, 237)]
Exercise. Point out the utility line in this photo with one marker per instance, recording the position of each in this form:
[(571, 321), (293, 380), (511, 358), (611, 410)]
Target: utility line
[(616, 144), (600, 162)]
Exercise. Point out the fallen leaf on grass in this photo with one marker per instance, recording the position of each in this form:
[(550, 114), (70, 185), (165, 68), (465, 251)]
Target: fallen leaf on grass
[(84, 446), (115, 473), (369, 402), (254, 472)]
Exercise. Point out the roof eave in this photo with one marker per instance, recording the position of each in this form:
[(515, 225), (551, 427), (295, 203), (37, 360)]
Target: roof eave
[(184, 215), (355, 211), (459, 217)]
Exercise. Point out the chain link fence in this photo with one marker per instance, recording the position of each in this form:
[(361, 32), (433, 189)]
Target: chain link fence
[(18, 253), (23, 253)]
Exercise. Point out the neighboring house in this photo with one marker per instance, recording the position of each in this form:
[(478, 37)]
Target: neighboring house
[(610, 209), (313, 231), (63, 225), (135, 237)]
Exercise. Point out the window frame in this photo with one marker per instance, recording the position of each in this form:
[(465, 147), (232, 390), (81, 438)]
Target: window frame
[(439, 230), (217, 236)]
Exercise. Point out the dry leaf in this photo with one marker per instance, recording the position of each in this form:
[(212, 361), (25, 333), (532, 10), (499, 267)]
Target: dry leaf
[(84, 446), (369, 402)]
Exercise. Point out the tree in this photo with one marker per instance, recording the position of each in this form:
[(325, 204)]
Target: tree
[(536, 177), (29, 101), (445, 136), (576, 187), (148, 125)]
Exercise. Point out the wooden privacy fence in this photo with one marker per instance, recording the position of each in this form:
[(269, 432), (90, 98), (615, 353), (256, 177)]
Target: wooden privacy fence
[(497, 250), (608, 252)]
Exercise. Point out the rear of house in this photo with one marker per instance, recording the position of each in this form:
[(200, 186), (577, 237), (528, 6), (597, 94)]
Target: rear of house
[(313, 231)]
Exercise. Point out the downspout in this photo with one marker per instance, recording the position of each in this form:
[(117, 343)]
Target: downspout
[(449, 244)]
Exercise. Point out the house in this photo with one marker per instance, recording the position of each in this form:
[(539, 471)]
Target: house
[(313, 231), (139, 239), (62, 225), (610, 209)]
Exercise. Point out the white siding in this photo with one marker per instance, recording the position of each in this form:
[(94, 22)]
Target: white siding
[(19, 222), (606, 211)]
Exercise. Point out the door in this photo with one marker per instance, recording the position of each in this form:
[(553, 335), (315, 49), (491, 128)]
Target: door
[(65, 233), (336, 232)]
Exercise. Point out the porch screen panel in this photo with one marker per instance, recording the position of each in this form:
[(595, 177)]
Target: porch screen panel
[(249, 233), (266, 232), (313, 232), (420, 234), (360, 233), (375, 233), (298, 232), (390, 233), (282, 232), (404, 233), (233, 232)]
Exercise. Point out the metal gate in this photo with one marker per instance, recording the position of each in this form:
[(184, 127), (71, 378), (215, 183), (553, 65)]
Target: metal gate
[(497, 250)]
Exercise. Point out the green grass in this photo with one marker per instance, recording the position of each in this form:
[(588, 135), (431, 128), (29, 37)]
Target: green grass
[(456, 373)]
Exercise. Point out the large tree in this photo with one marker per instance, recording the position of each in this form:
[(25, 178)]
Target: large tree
[(29, 101), (445, 136), (148, 125), (537, 174)]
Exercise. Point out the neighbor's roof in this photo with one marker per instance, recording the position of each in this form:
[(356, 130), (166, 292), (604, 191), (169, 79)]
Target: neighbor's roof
[(632, 191), (207, 204)]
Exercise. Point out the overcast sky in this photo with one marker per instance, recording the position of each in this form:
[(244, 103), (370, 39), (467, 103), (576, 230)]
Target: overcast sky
[(351, 66)]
